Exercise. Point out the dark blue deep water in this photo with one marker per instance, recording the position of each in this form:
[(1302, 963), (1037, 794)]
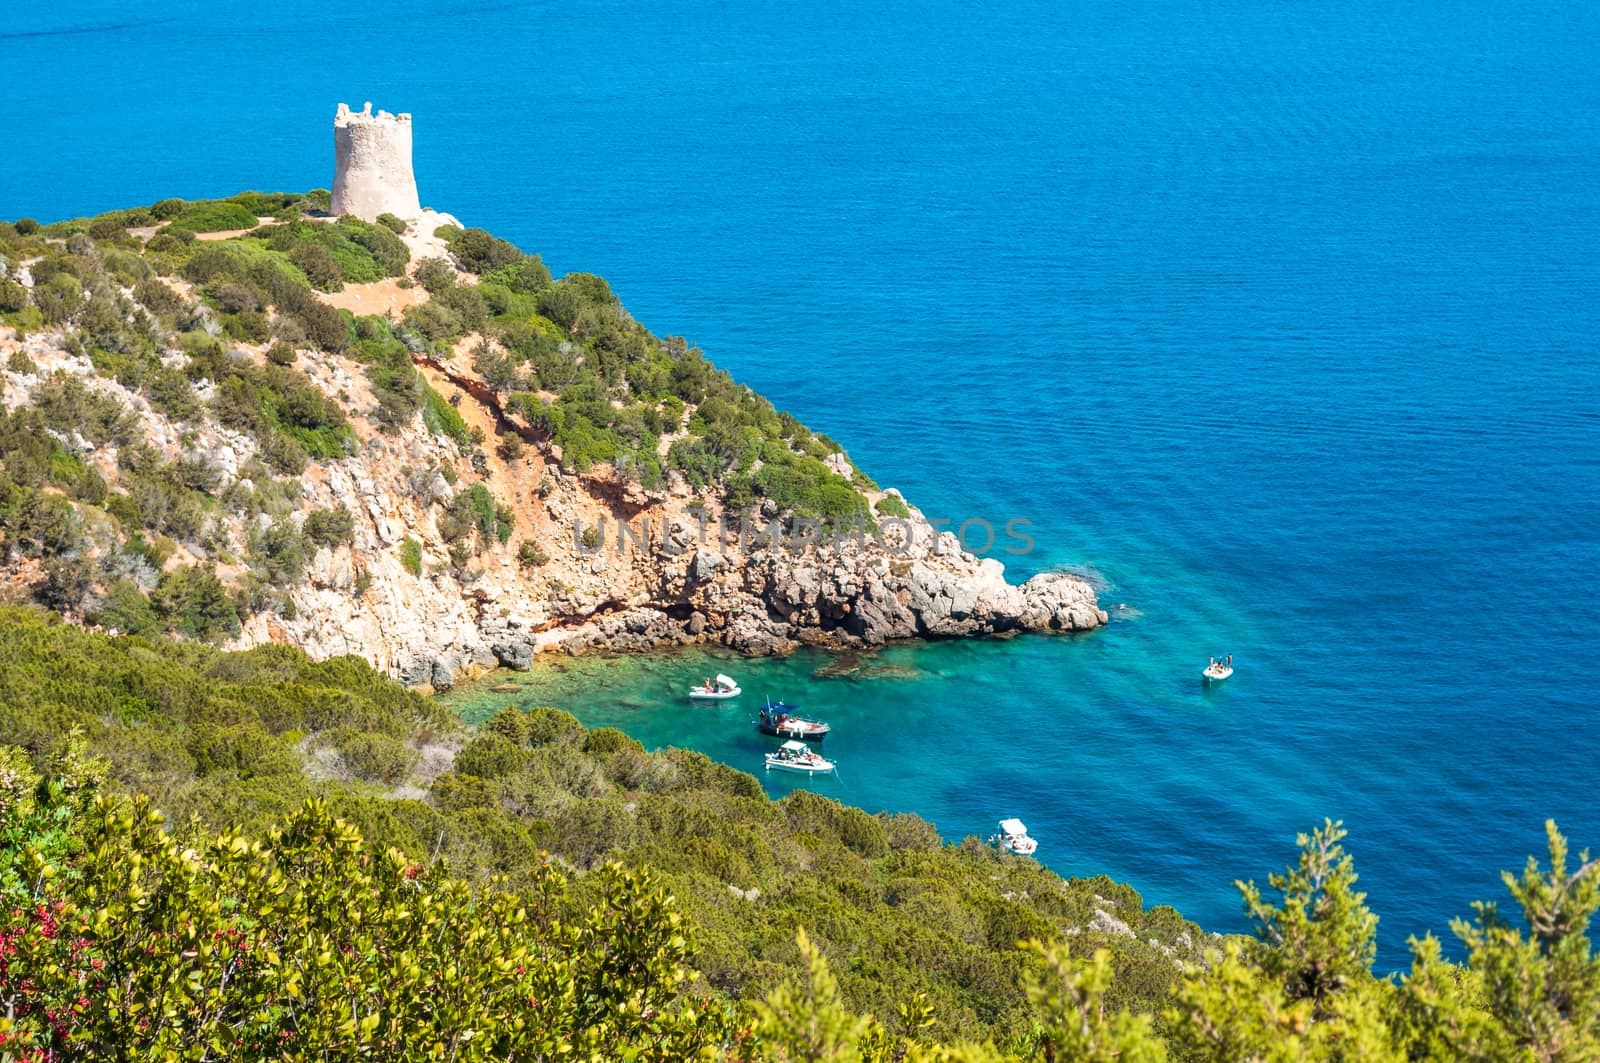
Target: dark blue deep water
[(1280, 318)]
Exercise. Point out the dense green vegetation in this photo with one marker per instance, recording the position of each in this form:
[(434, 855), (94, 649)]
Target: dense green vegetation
[(568, 357), (102, 548), (563, 352), (246, 738), (562, 887), (614, 383)]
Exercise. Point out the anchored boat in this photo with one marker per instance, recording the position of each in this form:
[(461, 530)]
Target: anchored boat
[(1014, 838), (779, 720), (1217, 671), (720, 689), (794, 756)]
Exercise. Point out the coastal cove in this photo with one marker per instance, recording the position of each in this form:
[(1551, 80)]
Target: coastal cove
[(1107, 744)]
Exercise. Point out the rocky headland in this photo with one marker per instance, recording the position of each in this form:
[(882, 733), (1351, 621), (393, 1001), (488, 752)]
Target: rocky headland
[(565, 553)]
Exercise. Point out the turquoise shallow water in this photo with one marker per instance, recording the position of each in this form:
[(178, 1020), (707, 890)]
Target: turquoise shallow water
[(1280, 318)]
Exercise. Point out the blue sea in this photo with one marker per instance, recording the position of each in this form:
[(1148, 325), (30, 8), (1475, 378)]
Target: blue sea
[(1277, 319)]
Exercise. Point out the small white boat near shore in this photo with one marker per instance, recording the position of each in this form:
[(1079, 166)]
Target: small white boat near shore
[(1014, 838), (798, 757), (720, 689), (1217, 671)]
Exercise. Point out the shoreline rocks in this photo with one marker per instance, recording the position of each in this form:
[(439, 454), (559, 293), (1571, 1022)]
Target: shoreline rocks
[(840, 598), (844, 596)]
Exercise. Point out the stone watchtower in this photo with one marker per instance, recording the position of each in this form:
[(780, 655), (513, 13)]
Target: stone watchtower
[(372, 165)]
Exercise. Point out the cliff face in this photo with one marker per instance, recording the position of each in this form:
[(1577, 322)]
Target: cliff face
[(401, 590)]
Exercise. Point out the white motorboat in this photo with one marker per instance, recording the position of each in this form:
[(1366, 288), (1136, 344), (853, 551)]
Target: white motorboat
[(1217, 671), (1014, 838), (798, 757), (720, 689)]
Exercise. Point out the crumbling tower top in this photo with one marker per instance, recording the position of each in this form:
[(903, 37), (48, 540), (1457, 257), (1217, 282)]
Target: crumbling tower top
[(372, 165)]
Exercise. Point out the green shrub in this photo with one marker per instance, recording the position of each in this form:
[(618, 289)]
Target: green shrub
[(475, 508), (59, 298), (157, 297), (502, 370), (168, 243), (443, 419), (811, 813), (490, 756), (392, 223), (124, 608), (171, 392), (71, 406), (411, 556), (249, 326), (466, 302), (561, 303), (672, 409), (356, 265), (606, 740), (550, 726), (511, 447), (269, 203), (124, 266), (244, 261), (287, 414), (382, 246), (374, 757), (892, 506), (326, 328), (330, 527), (510, 724), (528, 274), (279, 552), (807, 488), (246, 752), (320, 267), (435, 322), (480, 252), (107, 227), (231, 298), (13, 296), (211, 217), (435, 275), (192, 601)]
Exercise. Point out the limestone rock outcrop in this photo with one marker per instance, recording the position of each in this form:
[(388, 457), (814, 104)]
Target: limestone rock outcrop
[(843, 596), (433, 624)]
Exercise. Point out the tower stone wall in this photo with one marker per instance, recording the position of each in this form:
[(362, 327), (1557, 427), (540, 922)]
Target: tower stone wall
[(372, 165)]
